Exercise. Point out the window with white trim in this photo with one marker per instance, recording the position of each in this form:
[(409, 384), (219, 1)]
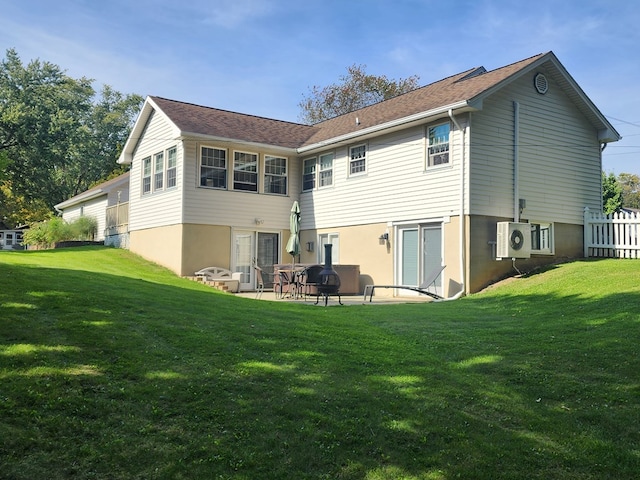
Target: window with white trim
[(333, 239), (213, 167), (358, 160), (275, 175), (245, 171), (542, 238), (438, 138), (326, 170), (172, 167), (158, 171), (146, 175), (309, 174)]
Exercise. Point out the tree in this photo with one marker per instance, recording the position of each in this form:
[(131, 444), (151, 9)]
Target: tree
[(611, 193), (355, 90), (57, 136), (630, 186)]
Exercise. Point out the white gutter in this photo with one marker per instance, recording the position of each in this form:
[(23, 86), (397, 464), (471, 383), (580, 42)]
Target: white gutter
[(384, 126), (516, 162), (461, 220)]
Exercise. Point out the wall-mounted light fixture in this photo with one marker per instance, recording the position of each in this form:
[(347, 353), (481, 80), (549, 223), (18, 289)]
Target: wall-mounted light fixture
[(309, 246), (259, 221), (522, 203), (384, 236)]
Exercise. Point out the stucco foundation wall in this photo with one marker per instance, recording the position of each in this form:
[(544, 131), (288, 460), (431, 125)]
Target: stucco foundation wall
[(484, 269), (359, 245), (161, 245), (205, 246)]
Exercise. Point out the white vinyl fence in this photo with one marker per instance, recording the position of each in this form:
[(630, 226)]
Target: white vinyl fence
[(613, 235)]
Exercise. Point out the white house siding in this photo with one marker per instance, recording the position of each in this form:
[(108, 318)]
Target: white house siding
[(159, 208), (94, 208), (250, 210), (559, 159), (395, 187)]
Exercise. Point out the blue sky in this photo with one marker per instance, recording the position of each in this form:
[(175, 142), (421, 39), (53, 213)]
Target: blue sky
[(261, 56)]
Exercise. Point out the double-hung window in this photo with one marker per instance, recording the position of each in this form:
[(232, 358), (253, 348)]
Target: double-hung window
[(213, 167), (172, 164), (158, 171), (245, 171), (358, 160), (275, 175), (438, 137), (146, 175), (542, 238), (326, 170), (309, 174)]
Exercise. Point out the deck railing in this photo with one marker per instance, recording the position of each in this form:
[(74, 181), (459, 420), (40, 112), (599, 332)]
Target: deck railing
[(613, 235)]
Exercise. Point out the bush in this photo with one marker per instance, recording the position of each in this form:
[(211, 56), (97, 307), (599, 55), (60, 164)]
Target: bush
[(47, 234)]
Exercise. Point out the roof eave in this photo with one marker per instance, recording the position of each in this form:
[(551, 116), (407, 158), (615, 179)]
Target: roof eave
[(90, 195), (393, 125), (218, 139)]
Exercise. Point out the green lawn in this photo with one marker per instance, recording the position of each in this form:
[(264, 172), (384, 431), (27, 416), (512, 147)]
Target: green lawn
[(113, 368)]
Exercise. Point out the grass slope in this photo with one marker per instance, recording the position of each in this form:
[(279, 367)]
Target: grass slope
[(113, 368)]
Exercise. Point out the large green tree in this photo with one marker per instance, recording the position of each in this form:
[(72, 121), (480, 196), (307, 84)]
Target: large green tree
[(58, 136), (355, 90)]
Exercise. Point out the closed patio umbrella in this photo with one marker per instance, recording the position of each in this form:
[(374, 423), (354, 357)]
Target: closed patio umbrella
[(293, 245)]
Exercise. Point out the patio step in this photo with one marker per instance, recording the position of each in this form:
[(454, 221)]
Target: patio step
[(218, 285)]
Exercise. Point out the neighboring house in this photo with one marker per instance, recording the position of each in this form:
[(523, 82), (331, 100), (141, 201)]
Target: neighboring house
[(398, 187), (102, 202), (11, 238)]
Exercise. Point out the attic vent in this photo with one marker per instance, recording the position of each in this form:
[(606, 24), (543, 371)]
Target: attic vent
[(541, 83)]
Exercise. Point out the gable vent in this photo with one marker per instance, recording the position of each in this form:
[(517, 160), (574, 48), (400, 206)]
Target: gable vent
[(541, 83)]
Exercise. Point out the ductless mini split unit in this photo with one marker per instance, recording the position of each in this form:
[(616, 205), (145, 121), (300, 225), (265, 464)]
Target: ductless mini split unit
[(513, 240)]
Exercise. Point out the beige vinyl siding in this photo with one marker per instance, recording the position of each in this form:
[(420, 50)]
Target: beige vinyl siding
[(559, 158), (396, 185), (95, 208), (210, 206), (159, 208)]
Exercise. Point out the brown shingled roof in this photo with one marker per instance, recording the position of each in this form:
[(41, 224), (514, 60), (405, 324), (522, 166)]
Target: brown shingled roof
[(451, 90), (463, 87), (199, 120)]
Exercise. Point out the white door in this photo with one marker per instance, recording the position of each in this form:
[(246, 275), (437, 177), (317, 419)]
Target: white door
[(420, 251), (260, 248)]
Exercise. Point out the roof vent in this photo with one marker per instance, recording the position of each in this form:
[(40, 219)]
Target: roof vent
[(541, 83)]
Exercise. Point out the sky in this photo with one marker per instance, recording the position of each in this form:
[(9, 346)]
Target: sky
[(261, 57)]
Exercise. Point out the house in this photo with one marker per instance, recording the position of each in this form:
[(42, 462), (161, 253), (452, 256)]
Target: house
[(11, 238), (482, 171), (108, 204)]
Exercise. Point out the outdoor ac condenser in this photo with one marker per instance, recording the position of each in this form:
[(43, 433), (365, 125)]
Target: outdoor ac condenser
[(513, 240)]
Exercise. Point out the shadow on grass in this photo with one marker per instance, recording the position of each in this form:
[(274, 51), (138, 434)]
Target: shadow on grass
[(112, 377)]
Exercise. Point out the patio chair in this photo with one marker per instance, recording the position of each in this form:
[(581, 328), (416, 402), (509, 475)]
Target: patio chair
[(309, 278), (423, 289), (260, 275)]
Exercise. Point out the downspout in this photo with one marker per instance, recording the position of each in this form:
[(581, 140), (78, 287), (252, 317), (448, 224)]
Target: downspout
[(463, 260), (516, 162)]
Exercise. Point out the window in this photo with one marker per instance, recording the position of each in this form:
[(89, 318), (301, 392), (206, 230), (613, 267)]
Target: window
[(358, 160), (172, 163), (158, 169), (309, 174), (213, 167), (542, 238), (245, 171), (326, 170), (275, 175), (333, 239), (146, 175), (438, 145)]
